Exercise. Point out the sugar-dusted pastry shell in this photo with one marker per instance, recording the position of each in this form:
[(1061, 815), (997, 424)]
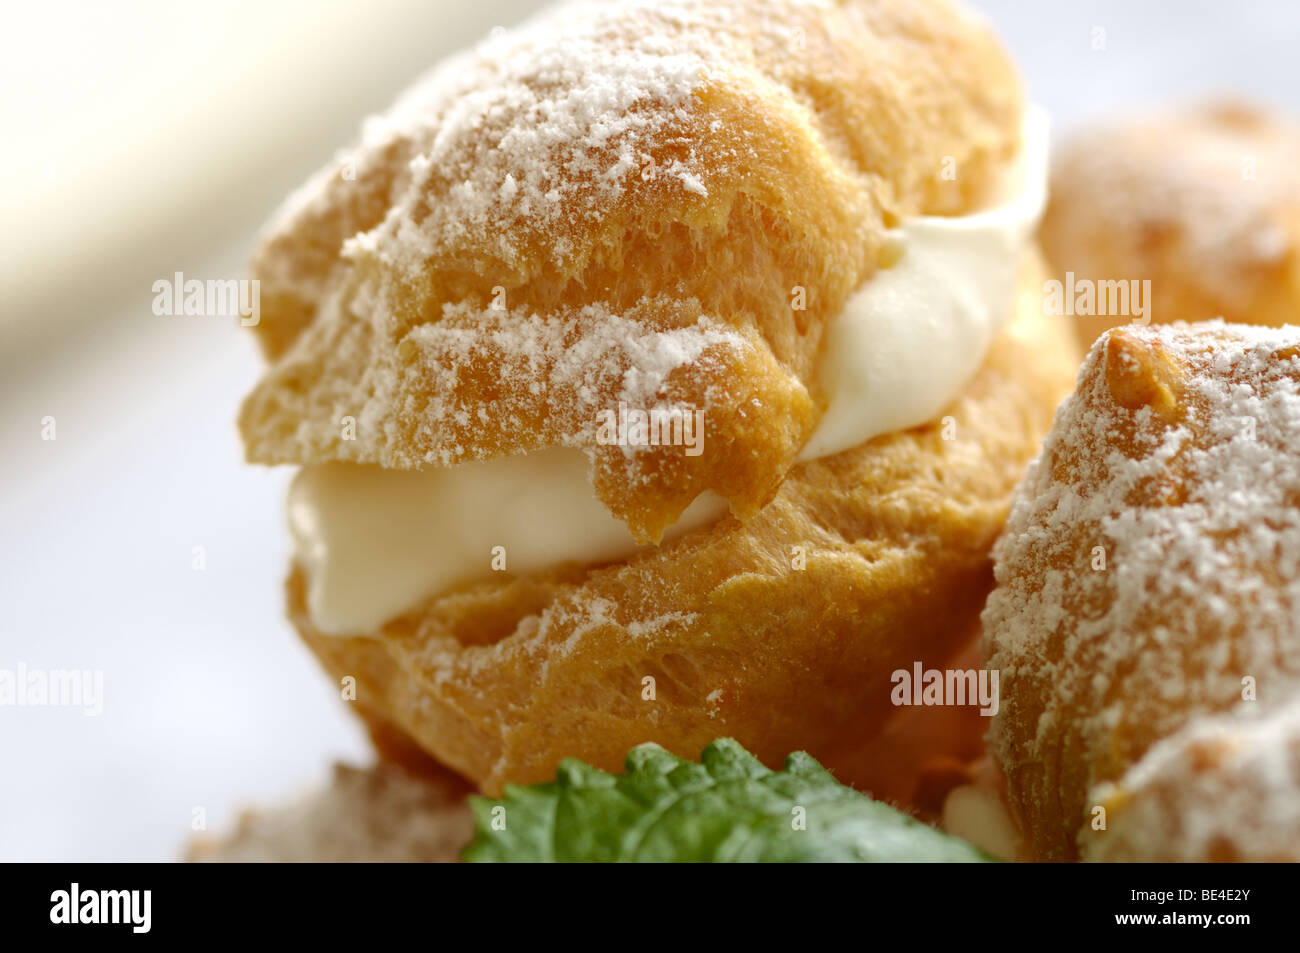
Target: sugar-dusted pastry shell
[(1149, 574), (690, 189), (1202, 202), (723, 632)]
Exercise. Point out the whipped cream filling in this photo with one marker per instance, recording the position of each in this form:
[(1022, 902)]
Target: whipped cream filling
[(916, 332), (375, 543)]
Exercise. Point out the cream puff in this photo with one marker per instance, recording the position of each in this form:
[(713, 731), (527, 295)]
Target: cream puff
[(660, 371), (1145, 617), (1199, 206)]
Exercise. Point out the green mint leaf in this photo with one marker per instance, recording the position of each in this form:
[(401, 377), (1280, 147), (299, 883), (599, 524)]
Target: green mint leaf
[(729, 807)]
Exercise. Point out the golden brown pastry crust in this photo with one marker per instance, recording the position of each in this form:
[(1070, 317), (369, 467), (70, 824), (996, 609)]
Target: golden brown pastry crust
[(1149, 575), (475, 278), (1203, 202), (919, 753), (501, 680)]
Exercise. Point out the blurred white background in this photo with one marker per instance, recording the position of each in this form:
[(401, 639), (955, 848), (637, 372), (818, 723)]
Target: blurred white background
[(146, 137)]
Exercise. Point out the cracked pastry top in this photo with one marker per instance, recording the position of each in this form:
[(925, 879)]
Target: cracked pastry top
[(1149, 574), (620, 203)]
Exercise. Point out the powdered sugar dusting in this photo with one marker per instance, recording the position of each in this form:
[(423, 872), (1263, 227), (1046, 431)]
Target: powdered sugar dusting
[(540, 129), (1223, 789), (690, 182), (1237, 532), (648, 628), (654, 356), (563, 365), (1220, 195), (545, 125), (1197, 520), (594, 614)]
